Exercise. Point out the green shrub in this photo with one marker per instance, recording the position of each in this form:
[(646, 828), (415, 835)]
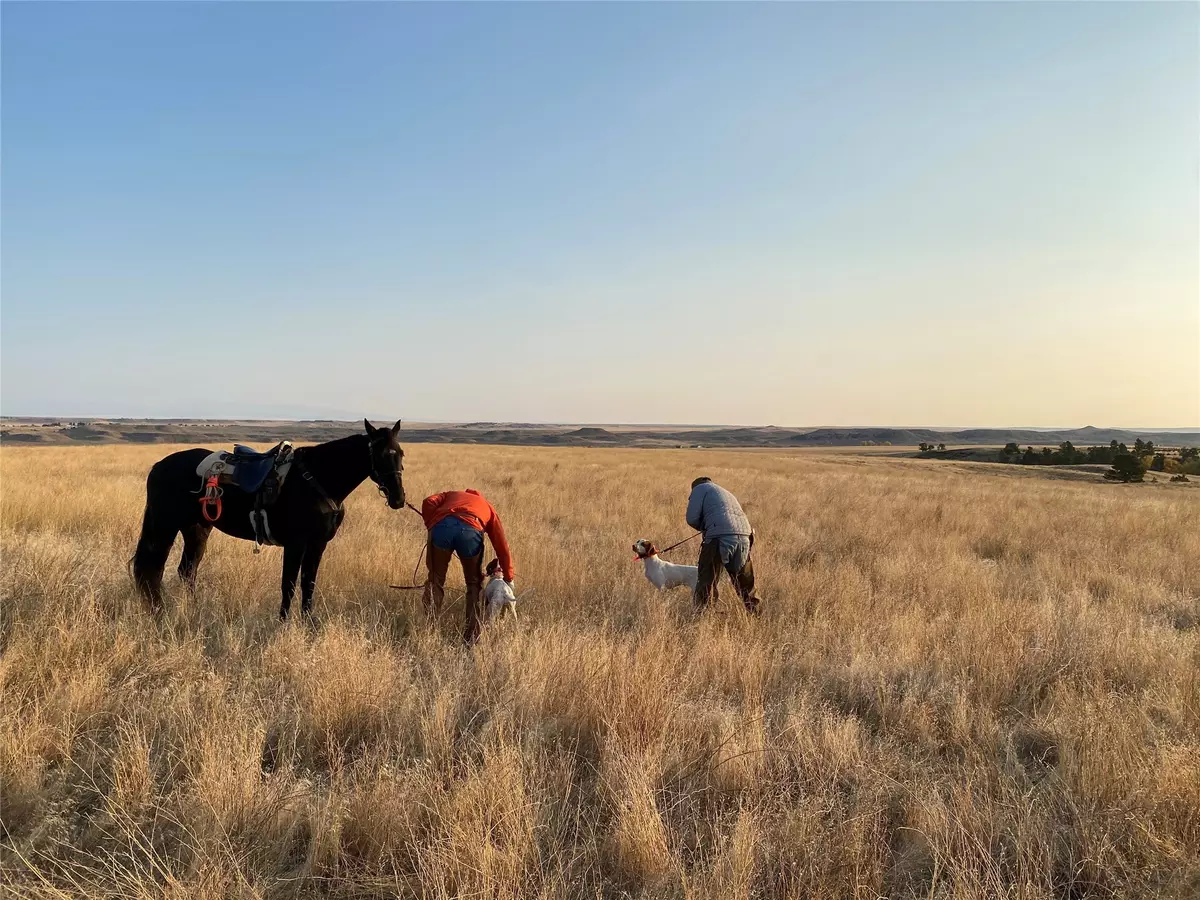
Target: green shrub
[(1126, 467)]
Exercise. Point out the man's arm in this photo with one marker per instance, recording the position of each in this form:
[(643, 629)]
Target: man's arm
[(695, 508), (495, 533), (430, 506)]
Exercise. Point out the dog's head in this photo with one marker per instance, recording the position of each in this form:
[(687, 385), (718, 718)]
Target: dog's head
[(493, 569), (643, 549)]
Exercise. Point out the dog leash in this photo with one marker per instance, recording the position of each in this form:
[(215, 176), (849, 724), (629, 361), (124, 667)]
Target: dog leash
[(681, 543)]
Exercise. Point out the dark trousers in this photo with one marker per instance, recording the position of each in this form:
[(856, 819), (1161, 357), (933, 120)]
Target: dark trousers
[(709, 574), (437, 561)]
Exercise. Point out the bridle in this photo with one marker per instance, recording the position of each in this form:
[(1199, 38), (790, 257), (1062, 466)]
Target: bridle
[(374, 469)]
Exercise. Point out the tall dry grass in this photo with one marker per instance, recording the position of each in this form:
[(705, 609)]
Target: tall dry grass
[(963, 685)]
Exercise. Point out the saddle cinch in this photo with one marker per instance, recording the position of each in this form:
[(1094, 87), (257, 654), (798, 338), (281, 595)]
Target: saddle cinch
[(246, 470)]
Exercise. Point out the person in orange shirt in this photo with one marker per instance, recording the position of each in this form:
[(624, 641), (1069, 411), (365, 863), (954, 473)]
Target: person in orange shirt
[(457, 522)]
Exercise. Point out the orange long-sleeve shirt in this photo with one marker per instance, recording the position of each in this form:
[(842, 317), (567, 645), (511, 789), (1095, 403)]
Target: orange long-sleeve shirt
[(472, 508)]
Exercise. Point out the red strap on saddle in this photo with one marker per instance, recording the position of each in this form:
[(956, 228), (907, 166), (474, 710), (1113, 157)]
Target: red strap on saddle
[(210, 503)]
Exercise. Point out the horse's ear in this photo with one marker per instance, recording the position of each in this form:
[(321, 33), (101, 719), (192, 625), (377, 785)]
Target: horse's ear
[(396, 427), (370, 428)]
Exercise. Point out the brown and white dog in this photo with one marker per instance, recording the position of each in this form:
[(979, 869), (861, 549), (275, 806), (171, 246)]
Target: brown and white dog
[(498, 594), (663, 574)]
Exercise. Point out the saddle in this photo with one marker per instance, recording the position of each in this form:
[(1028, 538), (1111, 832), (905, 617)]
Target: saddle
[(248, 471)]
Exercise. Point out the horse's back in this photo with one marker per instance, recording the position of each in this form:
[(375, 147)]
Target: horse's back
[(181, 459), (178, 467)]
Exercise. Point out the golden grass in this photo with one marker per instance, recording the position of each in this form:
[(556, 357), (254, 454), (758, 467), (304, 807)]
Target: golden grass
[(963, 685)]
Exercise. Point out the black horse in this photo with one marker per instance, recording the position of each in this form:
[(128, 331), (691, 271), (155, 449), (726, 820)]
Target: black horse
[(303, 519)]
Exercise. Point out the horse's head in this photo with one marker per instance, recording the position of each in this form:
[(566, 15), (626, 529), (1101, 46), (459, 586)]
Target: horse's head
[(387, 462)]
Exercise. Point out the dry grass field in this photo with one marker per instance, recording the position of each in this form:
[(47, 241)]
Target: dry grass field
[(963, 685)]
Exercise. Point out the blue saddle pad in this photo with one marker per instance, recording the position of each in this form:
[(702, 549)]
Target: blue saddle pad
[(252, 467)]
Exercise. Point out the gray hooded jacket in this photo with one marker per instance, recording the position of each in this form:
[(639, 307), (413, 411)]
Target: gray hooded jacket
[(716, 512)]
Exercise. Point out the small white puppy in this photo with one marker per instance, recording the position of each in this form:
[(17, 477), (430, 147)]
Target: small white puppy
[(662, 574), (498, 594)]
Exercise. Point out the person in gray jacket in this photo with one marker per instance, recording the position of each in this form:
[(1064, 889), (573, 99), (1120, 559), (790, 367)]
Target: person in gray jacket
[(727, 540)]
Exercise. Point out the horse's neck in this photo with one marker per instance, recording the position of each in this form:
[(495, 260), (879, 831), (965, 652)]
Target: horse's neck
[(340, 466)]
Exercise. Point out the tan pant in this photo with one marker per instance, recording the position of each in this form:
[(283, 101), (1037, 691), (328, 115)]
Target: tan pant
[(437, 562)]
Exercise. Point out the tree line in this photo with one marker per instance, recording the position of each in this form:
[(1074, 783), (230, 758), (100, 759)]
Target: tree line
[(1127, 464)]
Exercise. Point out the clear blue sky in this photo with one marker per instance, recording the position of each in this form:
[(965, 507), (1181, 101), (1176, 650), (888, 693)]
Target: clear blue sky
[(779, 213)]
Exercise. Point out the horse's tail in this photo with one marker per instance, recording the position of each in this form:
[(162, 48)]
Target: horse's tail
[(141, 553)]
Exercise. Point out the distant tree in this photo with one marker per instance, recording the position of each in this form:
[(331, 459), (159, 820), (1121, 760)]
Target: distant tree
[(1126, 467), (1029, 458), (1159, 463), (1150, 448), (1113, 445), (924, 447), (1186, 453), (1067, 454), (1139, 447), (1122, 449), (941, 448), (1011, 449), (1047, 456)]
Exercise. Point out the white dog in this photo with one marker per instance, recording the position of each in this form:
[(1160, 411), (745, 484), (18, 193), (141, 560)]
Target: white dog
[(499, 594), (661, 574)]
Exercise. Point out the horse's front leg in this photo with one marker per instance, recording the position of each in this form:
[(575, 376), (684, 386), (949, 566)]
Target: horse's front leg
[(308, 577), (293, 556)]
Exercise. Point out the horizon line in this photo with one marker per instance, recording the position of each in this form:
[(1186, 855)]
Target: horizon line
[(584, 424)]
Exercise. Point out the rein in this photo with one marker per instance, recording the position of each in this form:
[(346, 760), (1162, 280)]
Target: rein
[(414, 586)]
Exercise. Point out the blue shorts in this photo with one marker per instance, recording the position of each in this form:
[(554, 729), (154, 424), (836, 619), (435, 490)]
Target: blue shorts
[(457, 536)]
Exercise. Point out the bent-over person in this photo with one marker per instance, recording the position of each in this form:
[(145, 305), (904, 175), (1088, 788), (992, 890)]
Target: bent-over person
[(457, 522), (728, 539)]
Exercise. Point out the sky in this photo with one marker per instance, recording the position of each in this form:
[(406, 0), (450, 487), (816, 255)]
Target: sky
[(789, 214)]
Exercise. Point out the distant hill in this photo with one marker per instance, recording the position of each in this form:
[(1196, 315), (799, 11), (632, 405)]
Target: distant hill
[(223, 434)]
